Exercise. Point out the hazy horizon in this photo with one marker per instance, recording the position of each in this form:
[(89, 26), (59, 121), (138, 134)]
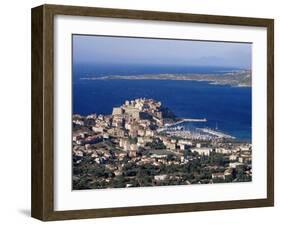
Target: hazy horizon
[(147, 51)]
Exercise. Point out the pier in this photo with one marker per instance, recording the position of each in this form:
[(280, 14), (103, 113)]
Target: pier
[(186, 120)]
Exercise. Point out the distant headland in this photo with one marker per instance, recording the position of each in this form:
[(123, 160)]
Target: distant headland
[(239, 78)]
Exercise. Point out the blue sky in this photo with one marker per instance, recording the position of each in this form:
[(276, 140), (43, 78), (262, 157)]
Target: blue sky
[(121, 50)]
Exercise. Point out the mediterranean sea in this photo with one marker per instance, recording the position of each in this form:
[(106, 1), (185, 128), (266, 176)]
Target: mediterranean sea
[(226, 107)]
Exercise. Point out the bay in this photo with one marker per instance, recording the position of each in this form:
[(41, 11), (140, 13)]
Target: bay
[(225, 107)]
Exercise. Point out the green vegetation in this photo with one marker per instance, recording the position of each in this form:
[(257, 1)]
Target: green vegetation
[(88, 174), (156, 144)]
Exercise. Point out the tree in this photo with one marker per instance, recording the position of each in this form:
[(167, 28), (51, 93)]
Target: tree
[(241, 175), (156, 144)]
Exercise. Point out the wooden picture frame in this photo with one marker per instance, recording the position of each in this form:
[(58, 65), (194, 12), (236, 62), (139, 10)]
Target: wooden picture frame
[(43, 108)]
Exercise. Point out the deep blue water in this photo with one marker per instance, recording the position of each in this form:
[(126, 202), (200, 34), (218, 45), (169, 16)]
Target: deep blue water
[(227, 107), (89, 70)]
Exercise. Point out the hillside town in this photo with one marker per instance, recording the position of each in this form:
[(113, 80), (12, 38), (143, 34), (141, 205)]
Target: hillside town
[(142, 143)]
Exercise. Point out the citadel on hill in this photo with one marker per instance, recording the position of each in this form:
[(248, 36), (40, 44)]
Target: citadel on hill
[(142, 144)]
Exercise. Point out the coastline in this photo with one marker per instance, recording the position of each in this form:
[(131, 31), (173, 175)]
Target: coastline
[(236, 79), (136, 147)]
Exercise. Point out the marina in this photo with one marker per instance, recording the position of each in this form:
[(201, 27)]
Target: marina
[(145, 116), (216, 133), (176, 129)]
